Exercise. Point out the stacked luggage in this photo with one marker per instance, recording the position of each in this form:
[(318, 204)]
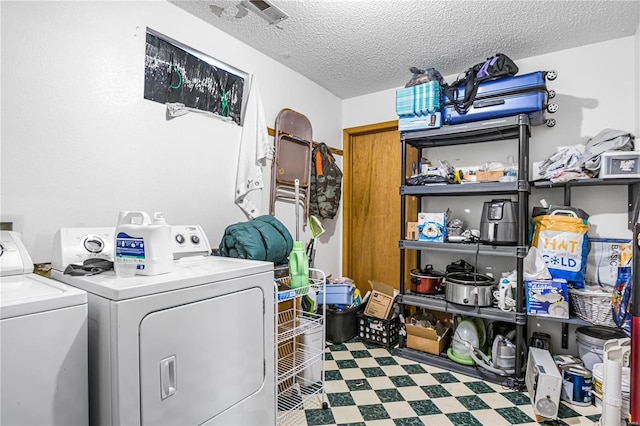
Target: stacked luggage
[(478, 96), (418, 107)]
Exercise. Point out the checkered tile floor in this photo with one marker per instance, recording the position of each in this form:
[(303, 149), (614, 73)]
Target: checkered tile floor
[(368, 385)]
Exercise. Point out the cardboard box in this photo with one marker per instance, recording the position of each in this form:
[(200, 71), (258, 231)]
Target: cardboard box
[(426, 340), (548, 298), (432, 227), (412, 231), (381, 300), (492, 176)]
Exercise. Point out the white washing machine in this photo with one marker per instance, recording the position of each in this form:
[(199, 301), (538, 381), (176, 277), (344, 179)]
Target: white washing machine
[(190, 347), (43, 344)]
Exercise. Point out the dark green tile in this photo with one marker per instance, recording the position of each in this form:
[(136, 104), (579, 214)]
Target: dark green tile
[(472, 402), (358, 384), (393, 351), (463, 419), (311, 388), (514, 415), (425, 407), (341, 399), (386, 361), (402, 381), (517, 398), (594, 417), (408, 421), (373, 412), (346, 363), (328, 356), (361, 354), (389, 395), (373, 372), (435, 391), (332, 375), (556, 422), (480, 387), (369, 345), (353, 340), (340, 347), (319, 417), (564, 412), (445, 377), (414, 369)]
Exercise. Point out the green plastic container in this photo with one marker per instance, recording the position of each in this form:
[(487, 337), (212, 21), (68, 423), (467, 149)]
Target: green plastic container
[(298, 266)]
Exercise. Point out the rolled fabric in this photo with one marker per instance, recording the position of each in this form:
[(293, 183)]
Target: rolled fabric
[(263, 238)]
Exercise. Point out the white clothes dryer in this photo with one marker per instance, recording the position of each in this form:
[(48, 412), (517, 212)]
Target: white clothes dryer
[(190, 347), (43, 344)]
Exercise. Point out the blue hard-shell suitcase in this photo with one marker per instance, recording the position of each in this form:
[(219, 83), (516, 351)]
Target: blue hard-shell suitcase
[(504, 97)]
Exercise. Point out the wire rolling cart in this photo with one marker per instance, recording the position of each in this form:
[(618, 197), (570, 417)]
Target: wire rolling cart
[(299, 350)]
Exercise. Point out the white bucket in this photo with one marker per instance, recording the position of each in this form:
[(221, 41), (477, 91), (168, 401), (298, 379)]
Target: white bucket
[(598, 377), (142, 247), (591, 342), (313, 344)]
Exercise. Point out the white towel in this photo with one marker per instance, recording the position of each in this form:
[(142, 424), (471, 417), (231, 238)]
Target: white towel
[(255, 150)]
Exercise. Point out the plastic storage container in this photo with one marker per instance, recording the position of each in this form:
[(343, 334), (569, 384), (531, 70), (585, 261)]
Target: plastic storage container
[(381, 332), (298, 266), (313, 342), (591, 342), (142, 246), (342, 325), (336, 294)]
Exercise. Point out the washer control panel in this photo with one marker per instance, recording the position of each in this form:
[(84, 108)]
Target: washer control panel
[(14, 258)]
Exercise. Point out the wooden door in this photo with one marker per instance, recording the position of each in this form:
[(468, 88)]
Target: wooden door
[(371, 228)]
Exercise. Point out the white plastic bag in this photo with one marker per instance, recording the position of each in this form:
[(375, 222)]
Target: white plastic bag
[(535, 268)]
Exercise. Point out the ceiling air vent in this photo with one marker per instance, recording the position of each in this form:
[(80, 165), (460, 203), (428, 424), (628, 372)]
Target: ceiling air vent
[(265, 10)]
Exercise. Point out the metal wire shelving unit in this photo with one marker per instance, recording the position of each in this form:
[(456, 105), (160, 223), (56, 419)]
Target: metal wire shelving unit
[(300, 341)]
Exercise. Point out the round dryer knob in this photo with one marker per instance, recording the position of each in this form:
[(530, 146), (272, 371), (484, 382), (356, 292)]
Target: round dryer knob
[(180, 238), (195, 239), (93, 244)]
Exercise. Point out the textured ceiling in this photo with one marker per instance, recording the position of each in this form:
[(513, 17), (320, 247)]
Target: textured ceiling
[(355, 47)]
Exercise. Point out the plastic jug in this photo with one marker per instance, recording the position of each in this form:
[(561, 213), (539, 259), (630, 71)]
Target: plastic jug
[(142, 246), (298, 266)]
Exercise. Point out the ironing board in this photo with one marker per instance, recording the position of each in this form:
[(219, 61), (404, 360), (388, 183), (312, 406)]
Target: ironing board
[(292, 159)]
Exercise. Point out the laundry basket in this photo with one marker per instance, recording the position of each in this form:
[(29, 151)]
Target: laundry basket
[(592, 306)]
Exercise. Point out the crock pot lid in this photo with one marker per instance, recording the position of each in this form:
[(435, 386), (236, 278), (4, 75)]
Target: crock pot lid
[(427, 272), (467, 278), (598, 335)]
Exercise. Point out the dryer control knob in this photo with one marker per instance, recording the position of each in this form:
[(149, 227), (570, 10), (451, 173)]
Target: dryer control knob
[(195, 239), (180, 238)]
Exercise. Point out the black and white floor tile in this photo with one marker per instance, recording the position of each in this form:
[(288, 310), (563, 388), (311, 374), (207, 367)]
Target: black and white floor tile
[(369, 385)]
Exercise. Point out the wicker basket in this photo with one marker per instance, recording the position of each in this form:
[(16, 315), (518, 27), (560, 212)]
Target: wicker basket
[(592, 306)]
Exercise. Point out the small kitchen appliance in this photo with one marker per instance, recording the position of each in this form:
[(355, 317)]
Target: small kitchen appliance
[(544, 384), (472, 288), (427, 281), (498, 225)]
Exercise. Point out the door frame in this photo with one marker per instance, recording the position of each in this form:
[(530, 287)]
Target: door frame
[(347, 135)]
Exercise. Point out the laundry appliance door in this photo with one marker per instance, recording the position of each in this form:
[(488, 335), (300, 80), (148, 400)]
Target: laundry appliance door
[(202, 359)]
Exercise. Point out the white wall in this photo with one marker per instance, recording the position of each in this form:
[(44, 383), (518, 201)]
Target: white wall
[(590, 97), (80, 143)]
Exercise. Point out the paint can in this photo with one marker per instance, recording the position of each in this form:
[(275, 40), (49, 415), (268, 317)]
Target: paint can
[(577, 383), (562, 360)]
